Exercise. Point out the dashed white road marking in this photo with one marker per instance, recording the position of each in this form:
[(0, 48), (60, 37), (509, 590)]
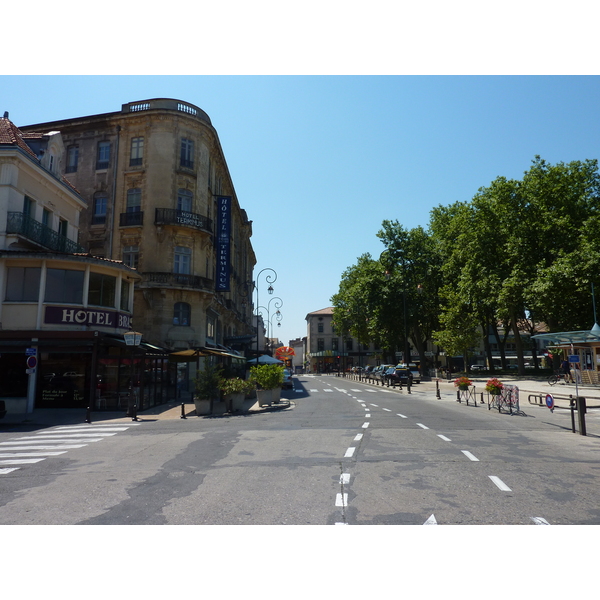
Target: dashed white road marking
[(423, 426), (7, 471), (92, 428), (444, 437), (387, 409), (470, 456), (349, 452), (345, 478), (539, 521), (367, 414), (355, 390), (65, 436), (341, 499), (501, 485), (375, 405), (328, 390), (365, 425), (358, 437), (403, 416), (431, 521), (313, 390)]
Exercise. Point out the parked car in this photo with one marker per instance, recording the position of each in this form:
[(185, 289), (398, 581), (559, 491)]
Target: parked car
[(416, 375), (287, 379), (398, 375), (477, 368), (379, 373)]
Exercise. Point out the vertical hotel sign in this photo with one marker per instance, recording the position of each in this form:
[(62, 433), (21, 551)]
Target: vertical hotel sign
[(223, 243)]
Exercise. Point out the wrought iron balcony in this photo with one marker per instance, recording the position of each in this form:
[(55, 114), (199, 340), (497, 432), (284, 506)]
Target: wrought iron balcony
[(179, 280), (132, 219), (172, 216), (34, 231)]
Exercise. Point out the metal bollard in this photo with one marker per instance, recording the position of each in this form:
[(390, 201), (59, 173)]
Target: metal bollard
[(581, 410), (134, 413), (183, 411), (408, 386), (437, 389), (88, 415), (458, 395)]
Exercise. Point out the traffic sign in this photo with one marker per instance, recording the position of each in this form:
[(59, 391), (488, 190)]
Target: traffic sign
[(30, 351), (32, 362), (550, 402), (573, 358)]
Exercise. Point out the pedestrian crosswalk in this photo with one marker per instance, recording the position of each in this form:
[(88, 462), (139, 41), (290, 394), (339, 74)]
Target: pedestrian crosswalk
[(31, 449)]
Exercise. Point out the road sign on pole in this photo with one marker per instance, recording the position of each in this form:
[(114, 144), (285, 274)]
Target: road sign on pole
[(32, 362), (550, 402)]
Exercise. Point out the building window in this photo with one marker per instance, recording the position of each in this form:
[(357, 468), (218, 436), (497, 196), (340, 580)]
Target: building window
[(63, 227), (181, 314), (349, 344), (137, 151), (99, 214), (183, 260), (184, 200), (186, 157), (72, 159), (334, 343), (134, 200), (319, 327), (102, 290), (131, 256), (210, 327), (103, 155), (46, 217), (29, 207), (23, 284), (64, 285), (125, 285), (320, 344)]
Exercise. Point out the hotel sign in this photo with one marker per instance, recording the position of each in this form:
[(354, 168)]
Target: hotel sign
[(223, 242), (67, 315)]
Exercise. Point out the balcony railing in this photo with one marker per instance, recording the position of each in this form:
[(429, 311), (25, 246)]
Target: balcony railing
[(132, 219), (180, 280), (171, 216), (34, 231)]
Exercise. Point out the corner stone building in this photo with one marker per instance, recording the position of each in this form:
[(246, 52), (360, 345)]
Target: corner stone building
[(153, 174)]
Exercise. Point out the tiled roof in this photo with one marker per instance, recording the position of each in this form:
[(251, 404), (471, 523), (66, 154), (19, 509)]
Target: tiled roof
[(11, 135), (323, 311)]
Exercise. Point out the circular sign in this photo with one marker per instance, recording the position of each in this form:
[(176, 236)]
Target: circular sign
[(31, 362), (550, 401)]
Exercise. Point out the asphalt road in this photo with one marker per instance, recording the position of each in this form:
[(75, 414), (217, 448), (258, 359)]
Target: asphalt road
[(343, 453)]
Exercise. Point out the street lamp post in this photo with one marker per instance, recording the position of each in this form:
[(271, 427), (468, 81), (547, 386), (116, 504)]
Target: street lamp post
[(278, 304), (270, 278), (133, 340)]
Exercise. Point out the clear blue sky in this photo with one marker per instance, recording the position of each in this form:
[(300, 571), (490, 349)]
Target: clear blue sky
[(319, 161)]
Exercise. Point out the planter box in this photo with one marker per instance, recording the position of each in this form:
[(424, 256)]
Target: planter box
[(267, 397), (203, 407), (235, 402)]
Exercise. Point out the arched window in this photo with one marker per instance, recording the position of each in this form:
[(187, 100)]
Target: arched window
[(181, 314)]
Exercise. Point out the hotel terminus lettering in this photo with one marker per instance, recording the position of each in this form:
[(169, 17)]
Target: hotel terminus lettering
[(223, 242)]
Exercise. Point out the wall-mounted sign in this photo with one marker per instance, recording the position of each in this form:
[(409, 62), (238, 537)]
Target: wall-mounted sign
[(223, 243), (67, 315)]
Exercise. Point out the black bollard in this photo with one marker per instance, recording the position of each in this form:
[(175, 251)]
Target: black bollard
[(88, 415), (437, 389), (134, 418), (183, 411)]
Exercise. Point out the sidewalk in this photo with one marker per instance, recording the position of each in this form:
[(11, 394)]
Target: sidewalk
[(50, 417)]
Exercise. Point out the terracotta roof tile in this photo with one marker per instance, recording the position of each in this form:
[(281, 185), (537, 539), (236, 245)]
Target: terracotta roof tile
[(11, 135)]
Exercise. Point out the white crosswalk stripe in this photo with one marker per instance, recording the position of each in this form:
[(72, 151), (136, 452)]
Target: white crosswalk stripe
[(31, 449)]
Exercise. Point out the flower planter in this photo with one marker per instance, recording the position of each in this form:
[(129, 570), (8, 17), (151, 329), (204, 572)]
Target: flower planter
[(267, 397), (234, 401), (203, 407)]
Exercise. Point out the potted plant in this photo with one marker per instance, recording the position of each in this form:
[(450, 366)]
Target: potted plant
[(268, 379), (494, 386), (206, 388), (462, 383), (234, 390)]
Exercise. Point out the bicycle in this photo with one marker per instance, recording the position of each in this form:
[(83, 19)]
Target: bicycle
[(554, 379)]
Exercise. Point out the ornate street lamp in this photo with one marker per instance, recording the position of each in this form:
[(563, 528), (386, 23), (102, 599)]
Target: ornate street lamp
[(270, 278)]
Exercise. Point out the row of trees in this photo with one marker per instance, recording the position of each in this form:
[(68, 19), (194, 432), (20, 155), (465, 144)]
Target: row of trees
[(518, 254)]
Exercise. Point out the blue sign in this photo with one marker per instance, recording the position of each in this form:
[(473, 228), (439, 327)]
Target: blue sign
[(550, 401), (223, 243), (30, 351), (573, 358)]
